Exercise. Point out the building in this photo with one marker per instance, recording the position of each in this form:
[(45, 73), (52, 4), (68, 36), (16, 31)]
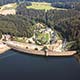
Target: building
[(6, 37)]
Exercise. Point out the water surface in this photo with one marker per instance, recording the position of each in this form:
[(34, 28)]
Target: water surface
[(17, 66)]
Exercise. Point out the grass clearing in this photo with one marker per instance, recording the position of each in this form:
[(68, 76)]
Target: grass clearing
[(19, 39), (42, 6)]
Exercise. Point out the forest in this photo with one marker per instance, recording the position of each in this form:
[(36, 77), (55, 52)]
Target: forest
[(16, 25), (67, 5), (65, 22)]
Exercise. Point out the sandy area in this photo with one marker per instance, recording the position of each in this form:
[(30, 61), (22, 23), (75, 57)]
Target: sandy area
[(3, 48), (22, 48), (6, 12), (8, 9)]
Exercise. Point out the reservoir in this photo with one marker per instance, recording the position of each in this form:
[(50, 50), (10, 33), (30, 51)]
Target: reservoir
[(17, 66)]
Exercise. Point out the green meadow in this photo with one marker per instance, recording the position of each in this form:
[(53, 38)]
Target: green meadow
[(42, 6)]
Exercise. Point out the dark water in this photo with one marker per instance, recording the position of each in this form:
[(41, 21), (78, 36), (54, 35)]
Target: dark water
[(17, 66)]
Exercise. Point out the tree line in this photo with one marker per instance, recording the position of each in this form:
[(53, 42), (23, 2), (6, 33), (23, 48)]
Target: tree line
[(67, 5), (2, 2)]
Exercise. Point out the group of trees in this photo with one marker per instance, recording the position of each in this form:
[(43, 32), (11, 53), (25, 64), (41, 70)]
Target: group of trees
[(0, 35), (16, 25), (67, 5), (56, 16), (70, 30), (2, 2), (51, 17), (37, 15)]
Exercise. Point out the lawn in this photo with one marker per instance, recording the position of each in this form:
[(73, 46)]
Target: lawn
[(42, 6)]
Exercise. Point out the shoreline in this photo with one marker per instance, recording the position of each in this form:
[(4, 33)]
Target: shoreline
[(22, 48), (3, 48)]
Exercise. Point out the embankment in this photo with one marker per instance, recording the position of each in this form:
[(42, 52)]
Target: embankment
[(22, 48), (3, 48)]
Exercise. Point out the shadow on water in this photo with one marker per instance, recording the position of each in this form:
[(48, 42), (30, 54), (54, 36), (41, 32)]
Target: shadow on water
[(77, 57), (19, 64), (7, 54), (50, 58), (14, 52)]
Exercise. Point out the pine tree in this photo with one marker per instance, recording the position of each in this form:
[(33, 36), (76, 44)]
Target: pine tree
[(0, 35)]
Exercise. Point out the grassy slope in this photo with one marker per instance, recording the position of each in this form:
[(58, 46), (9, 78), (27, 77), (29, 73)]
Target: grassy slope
[(42, 6)]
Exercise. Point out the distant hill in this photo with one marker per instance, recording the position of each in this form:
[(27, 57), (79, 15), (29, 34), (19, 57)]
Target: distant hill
[(11, 1)]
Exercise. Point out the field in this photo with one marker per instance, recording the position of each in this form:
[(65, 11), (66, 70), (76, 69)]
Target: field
[(8, 6), (8, 9), (11, 8), (42, 6)]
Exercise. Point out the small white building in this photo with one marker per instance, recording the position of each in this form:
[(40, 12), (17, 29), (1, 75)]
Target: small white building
[(6, 37)]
